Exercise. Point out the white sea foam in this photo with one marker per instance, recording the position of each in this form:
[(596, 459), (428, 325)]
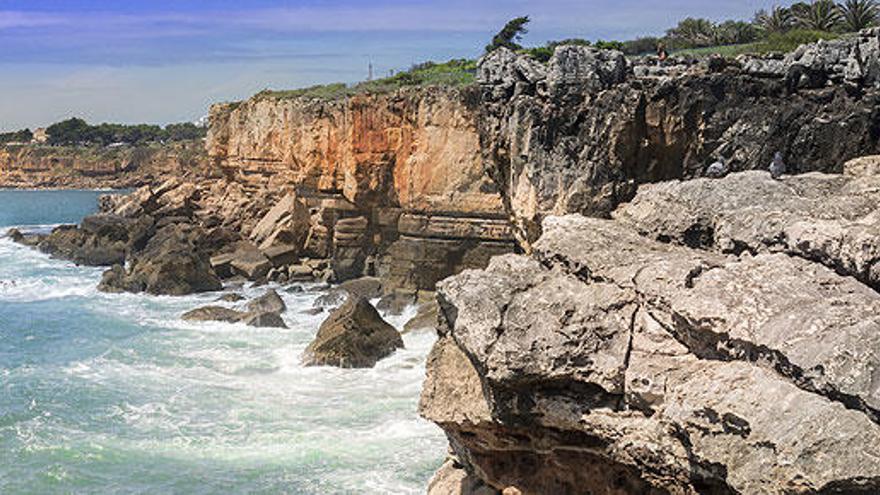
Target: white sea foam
[(215, 394)]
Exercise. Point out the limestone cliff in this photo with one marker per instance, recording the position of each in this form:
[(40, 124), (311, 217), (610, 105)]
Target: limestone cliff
[(43, 166), (394, 181)]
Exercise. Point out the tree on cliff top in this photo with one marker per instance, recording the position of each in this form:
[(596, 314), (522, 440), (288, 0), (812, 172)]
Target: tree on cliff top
[(512, 32)]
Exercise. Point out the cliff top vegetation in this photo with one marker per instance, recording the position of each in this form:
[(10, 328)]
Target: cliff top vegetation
[(779, 30), (457, 72)]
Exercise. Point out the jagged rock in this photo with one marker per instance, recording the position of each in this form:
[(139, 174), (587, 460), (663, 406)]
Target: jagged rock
[(213, 313), (100, 240), (270, 302), (353, 336), (608, 362), (170, 264), (587, 68), (583, 145)]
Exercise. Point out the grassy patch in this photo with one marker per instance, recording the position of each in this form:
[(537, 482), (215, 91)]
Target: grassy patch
[(454, 73), (775, 43), (786, 42)]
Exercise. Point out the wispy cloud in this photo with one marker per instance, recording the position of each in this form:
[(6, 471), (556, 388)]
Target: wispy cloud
[(91, 57)]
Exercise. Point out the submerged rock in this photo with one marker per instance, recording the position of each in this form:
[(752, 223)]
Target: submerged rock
[(353, 336), (213, 313)]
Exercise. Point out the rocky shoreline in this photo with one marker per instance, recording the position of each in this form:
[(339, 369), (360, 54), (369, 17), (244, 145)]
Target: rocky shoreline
[(640, 328)]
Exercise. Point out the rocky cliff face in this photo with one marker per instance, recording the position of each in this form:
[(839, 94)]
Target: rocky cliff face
[(581, 132), (609, 362), (664, 332), (394, 182), (42, 166)]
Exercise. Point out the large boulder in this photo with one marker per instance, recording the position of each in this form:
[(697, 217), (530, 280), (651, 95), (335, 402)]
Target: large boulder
[(170, 264), (270, 302), (213, 313), (246, 260), (353, 336), (609, 362)]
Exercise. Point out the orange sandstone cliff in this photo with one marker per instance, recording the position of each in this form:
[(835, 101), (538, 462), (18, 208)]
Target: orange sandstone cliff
[(394, 182)]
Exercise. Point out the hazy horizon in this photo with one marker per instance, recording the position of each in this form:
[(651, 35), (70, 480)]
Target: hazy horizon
[(167, 61)]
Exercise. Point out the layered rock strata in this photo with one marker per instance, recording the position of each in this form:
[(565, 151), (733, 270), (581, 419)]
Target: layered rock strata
[(92, 167), (394, 183)]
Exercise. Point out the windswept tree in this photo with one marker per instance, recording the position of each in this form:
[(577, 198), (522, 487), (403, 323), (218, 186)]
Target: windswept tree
[(858, 14), (692, 33), (510, 34), (778, 20), (821, 15)]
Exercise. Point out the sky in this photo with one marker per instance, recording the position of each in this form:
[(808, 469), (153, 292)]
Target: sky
[(161, 61)]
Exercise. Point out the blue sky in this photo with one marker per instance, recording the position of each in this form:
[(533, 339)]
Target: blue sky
[(163, 61)]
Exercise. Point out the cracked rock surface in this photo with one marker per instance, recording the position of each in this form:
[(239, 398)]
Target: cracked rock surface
[(830, 219), (609, 362)]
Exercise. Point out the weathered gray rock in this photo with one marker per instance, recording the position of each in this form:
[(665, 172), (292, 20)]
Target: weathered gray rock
[(270, 302), (608, 362), (353, 336), (832, 219)]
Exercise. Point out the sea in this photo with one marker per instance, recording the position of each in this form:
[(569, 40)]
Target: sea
[(114, 393)]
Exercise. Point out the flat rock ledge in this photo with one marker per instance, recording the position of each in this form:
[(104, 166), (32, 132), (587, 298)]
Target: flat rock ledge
[(608, 362)]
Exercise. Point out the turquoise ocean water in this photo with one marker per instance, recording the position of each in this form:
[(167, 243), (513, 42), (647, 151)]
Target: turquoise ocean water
[(105, 393)]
